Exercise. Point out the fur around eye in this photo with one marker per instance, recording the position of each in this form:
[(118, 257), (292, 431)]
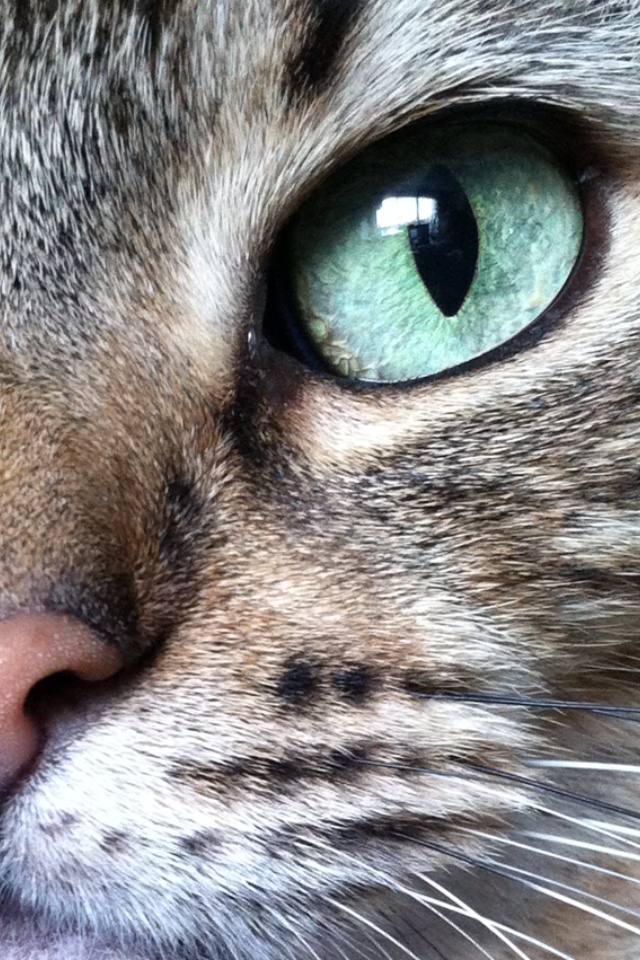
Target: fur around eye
[(332, 656)]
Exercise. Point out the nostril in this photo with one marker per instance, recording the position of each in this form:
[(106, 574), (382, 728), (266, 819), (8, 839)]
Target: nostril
[(33, 648)]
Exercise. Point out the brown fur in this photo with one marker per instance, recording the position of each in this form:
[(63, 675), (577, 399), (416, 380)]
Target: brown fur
[(302, 572)]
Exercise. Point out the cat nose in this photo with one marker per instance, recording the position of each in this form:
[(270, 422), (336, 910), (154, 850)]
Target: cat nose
[(32, 648)]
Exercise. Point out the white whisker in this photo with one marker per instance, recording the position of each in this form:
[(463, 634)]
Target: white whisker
[(349, 940), (540, 851), (519, 935), (341, 952), (504, 868), (291, 925), (498, 929), (464, 933), (583, 845), (379, 949), (584, 765), (373, 926), (472, 914), (495, 927), (596, 826), (583, 907), (616, 828)]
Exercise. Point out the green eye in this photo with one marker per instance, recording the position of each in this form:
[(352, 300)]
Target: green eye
[(430, 250)]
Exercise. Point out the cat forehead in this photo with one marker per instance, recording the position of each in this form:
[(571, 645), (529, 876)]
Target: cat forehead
[(178, 90), (138, 68), (101, 100), (147, 145)]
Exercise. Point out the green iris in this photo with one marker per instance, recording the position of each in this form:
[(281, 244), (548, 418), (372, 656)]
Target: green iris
[(431, 249)]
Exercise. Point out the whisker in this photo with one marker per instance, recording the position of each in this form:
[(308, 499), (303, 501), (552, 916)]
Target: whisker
[(536, 785), (595, 826), (458, 907), (373, 926), (302, 940), (389, 884), (497, 927), (464, 933), (291, 925), (584, 907), (465, 909), (584, 765), (507, 871), (540, 851), (519, 935), (493, 926), (583, 845), (341, 952), (351, 943), (379, 949), (617, 828), (555, 791), (629, 713), (419, 933), (347, 937)]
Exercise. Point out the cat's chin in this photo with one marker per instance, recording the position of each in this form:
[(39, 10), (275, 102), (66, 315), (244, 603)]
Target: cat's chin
[(63, 949), (21, 945), (22, 940)]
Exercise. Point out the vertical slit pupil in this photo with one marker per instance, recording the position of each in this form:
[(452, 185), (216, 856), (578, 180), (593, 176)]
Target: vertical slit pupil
[(444, 240)]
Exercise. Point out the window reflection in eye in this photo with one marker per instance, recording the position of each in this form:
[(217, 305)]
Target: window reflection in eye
[(396, 213)]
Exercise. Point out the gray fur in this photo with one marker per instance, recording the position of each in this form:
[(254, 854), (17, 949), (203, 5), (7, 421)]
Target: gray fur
[(261, 542)]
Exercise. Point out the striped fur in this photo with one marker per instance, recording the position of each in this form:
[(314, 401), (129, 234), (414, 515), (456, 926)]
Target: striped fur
[(348, 611)]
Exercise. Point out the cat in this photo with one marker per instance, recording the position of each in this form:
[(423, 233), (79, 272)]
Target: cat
[(319, 482)]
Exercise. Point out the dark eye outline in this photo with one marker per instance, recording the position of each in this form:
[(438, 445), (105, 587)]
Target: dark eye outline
[(571, 141)]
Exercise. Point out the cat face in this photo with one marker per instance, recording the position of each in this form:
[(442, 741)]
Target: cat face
[(295, 658)]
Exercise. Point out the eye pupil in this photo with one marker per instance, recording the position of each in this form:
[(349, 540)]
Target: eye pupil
[(444, 241)]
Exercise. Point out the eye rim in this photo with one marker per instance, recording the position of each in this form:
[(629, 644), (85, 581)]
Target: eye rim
[(571, 140)]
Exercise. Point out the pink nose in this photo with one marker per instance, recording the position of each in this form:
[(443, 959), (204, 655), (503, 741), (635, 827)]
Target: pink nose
[(32, 647)]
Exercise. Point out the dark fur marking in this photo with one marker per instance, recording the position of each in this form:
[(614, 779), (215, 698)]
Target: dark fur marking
[(114, 842), (269, 386), (333, 765), (203, 841), (122, 109), (287, 770), (298, 682), (183, 517), (207, 774), (347, 761), (309, 71), (354, 685), (418, 684), (108, 606), (238, 769), (185, 537), (28, 12), (65, 821), (386, 828), (157, 13)]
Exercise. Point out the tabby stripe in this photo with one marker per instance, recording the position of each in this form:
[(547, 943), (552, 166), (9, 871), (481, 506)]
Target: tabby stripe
[(310, 68)]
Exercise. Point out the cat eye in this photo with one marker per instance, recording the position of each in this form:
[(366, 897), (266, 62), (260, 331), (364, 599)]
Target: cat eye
[(430, 250)]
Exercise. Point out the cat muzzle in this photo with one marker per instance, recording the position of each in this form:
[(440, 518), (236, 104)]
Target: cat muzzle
[(34, 647)]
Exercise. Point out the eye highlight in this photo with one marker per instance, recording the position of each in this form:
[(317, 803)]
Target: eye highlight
[(429, 250)]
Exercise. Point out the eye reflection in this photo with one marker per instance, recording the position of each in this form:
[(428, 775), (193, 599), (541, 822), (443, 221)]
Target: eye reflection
[(396, 213), (442, 234)]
